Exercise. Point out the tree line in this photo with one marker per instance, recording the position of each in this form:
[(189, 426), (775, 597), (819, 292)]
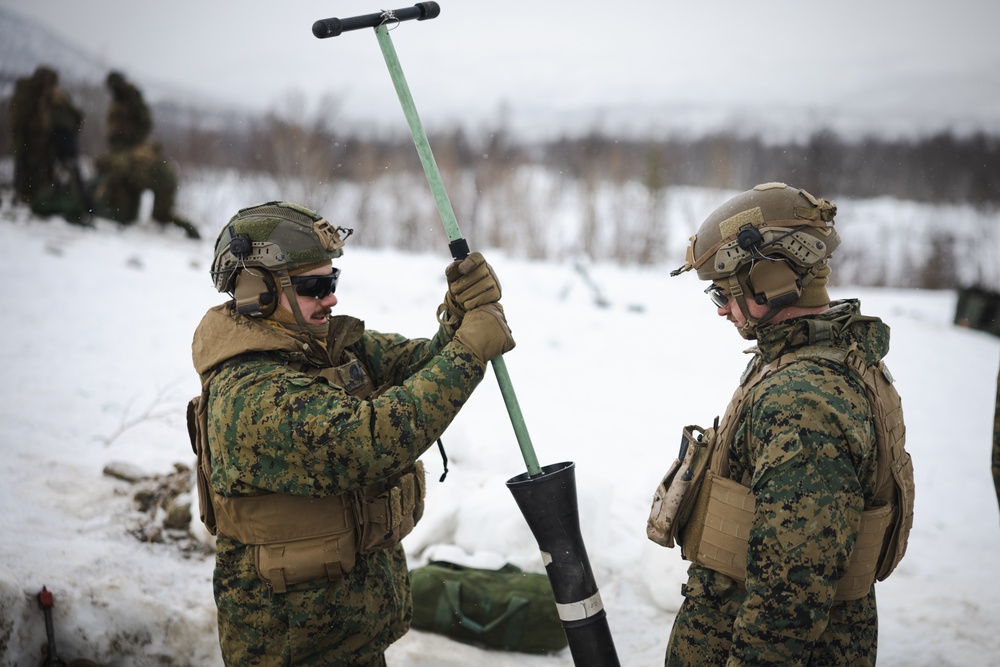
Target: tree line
[(507, 190), (944, 167), (941, 168)]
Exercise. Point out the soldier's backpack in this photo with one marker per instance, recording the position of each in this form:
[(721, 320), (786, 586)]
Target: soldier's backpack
[(506, 609)]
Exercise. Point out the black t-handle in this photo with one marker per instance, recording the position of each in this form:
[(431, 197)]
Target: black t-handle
[(332, 27)]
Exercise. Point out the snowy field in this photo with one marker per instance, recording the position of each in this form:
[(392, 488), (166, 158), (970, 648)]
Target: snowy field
[(96, 363)]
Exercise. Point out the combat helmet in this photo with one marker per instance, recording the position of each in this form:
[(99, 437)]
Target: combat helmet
[(279, 237), (770, 244)]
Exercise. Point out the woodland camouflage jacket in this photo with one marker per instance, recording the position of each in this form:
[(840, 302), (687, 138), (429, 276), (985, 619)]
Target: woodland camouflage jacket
[(805, 445), (273, 427)]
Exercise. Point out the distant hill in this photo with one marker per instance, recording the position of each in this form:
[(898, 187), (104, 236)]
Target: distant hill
[(24, 45)]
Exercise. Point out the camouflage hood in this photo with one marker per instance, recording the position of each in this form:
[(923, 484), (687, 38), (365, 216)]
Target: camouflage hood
[(223, 334), (842, 326)]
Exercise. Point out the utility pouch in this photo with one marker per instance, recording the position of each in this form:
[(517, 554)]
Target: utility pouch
[(386, 513), (282, 565), (675, 496), (295, 538), (503, 609), (197, 423)]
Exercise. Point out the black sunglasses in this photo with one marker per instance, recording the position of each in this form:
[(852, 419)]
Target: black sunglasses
[(717, 294), (318, 287)]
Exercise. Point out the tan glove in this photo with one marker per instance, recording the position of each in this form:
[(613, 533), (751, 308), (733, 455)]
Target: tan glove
[(485, 333), (471, 283)]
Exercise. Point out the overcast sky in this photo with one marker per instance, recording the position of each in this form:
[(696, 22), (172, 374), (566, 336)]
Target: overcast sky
[(878, 63)]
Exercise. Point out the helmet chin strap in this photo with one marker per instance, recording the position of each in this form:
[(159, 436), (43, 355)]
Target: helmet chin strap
[(739, 289), (285, 285), (316, 331)]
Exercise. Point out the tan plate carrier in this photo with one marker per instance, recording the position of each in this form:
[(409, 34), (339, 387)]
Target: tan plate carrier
[(299, 539), (710, 516)]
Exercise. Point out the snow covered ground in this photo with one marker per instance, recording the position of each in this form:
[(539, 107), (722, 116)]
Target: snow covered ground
[(96, 369)]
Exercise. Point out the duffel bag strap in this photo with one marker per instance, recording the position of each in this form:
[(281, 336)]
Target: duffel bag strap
[(450, 609)]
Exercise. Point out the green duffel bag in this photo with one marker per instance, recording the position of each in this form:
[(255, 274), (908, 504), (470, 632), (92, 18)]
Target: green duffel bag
[(505, 609)]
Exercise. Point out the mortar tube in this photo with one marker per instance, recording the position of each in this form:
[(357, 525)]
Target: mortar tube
[(549, 504)]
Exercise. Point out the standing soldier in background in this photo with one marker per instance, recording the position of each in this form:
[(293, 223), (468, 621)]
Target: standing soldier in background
[(44, 130), (129, 122), (801, 496), (133, 163), (29, 134)]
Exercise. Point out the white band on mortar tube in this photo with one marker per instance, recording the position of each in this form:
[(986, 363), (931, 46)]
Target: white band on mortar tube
[(577, 611)]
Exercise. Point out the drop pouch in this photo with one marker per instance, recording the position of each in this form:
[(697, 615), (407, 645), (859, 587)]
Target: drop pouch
[(675, 496)]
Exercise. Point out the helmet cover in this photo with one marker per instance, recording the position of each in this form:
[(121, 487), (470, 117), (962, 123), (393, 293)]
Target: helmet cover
[(772, 221), (277, 236)]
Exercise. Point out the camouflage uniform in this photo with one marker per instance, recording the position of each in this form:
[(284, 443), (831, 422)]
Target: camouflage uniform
[(126, 174), (29, 133), (274, 427), (133, 164), (129, 122), (805, 444), (44, 127)]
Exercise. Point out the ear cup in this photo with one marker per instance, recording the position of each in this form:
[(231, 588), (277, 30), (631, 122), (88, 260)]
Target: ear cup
[(776, 282), (254, 293)]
